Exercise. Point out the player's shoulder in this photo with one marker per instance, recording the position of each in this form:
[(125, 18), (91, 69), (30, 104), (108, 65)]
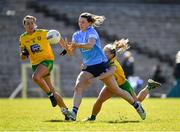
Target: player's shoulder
[(91, 29), (76, 33), (92, 32), (110, 63), (41, 30), (114, 62), (23, 34)]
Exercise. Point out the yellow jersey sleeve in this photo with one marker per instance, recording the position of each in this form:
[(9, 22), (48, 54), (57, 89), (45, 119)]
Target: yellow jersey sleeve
[(119, 73), (21, 44)]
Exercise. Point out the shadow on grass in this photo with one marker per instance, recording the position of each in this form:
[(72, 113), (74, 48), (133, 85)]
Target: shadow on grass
[(60, 121), (55, 121), (121, 121), (111, 122)]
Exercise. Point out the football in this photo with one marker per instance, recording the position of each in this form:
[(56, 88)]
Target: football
[(53, 36)]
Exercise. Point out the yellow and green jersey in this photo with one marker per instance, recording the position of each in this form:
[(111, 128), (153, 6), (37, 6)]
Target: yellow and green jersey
[(37, 45), (119, 73)]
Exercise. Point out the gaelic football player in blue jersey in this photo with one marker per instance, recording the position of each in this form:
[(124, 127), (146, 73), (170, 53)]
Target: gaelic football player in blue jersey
[(95, 62)]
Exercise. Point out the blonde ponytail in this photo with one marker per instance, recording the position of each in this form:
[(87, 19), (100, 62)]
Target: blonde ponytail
[(118, 46), (95, 20), (98, 20), (121, 45)]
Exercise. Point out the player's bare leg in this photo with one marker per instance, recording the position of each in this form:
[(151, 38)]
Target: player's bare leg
[(38, 75), (58, 97), (144, 92), (81, 85), (114, 88), (104, 95)]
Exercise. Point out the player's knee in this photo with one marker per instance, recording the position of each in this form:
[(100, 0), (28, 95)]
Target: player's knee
[(78, 89), (78, 85), (36, 77)]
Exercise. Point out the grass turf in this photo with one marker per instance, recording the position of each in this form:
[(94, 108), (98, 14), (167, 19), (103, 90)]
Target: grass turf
[(116, 114)]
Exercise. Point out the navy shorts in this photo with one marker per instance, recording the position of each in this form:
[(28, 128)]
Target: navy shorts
[(97, 69)]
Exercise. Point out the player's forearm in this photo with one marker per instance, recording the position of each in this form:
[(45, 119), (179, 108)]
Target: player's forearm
[(22, 57), (69, 52), (63, 44), (84, 46), (89, 45), (67, 49)]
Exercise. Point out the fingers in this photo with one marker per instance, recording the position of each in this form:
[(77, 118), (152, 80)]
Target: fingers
[(67, 42)]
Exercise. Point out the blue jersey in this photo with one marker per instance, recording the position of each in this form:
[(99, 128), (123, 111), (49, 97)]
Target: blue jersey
[(94, 55)]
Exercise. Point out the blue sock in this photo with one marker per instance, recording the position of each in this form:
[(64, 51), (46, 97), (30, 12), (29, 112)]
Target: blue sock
[(135, 104), (75, 109)]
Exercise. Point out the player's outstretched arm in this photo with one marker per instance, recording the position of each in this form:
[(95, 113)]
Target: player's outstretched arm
[(68, 49), (89, 45), (110, 72)]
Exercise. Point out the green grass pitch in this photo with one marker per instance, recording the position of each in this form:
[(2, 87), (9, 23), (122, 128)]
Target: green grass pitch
[(116, 114)]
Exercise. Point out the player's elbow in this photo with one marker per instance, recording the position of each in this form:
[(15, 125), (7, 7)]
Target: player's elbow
[(90, 46)]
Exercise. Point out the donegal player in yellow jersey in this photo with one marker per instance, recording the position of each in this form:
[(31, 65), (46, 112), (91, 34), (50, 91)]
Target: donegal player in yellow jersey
[(35, 46), (116, 69)]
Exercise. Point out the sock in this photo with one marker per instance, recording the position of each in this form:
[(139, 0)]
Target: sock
[(49, 94), (93, 117), (64, 109), (75, 109), (135, 104), (148, 88)]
